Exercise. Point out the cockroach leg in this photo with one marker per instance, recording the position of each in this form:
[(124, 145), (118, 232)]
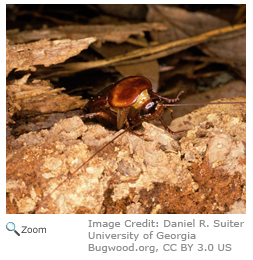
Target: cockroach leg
[(170, 100), (171, 112), (133, 132), (93, 115), (130, 128), (168, 129)]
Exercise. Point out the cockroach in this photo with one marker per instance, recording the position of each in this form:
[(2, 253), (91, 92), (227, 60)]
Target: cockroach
[(125, 105), (129, 102)]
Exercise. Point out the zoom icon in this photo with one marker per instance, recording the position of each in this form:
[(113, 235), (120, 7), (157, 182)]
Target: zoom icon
[(11, 227)]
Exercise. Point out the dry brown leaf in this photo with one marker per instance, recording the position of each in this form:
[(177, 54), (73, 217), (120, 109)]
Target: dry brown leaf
[(43, 52), (103, 33), (183, 24), (233, 49), (127, 11)]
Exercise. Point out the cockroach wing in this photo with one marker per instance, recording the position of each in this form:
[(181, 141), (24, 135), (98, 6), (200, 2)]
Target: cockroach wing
[(126, 92)]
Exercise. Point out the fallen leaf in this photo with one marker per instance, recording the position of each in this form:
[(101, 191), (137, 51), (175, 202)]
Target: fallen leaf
[(183, 24), (103, 33), (43, 52)]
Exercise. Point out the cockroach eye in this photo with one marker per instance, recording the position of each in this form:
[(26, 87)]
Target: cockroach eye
[(149, 108)]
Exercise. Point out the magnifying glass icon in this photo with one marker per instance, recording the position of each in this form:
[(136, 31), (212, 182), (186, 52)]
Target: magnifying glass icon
[(11, 227)]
